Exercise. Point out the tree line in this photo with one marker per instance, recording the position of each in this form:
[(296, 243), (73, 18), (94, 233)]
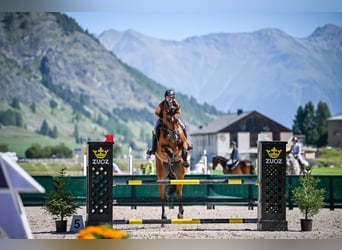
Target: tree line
[(310, 121), (36, 151), (313, 123)]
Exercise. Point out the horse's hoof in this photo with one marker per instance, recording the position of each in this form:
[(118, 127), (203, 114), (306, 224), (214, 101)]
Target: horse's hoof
[(180, 216)]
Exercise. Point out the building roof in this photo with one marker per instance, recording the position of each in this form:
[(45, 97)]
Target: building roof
[(221, 123), (226, 120), (338, 117)]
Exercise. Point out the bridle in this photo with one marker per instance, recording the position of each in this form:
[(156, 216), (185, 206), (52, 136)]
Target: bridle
[(170, 125), (219, 160)]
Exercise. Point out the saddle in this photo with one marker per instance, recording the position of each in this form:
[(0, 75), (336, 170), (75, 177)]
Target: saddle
[(233, 165)]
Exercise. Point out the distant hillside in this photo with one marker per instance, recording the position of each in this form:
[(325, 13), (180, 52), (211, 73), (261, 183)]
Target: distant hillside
[(52, 70), (266, 70)]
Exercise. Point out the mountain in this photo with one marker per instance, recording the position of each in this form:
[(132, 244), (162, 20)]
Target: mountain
[(266, 70), (59, 79)]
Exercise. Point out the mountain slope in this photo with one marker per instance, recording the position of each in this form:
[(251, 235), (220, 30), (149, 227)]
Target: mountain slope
[(62, 74), (266, 70)]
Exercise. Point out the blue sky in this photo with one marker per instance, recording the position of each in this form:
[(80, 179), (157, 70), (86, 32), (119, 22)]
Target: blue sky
[(177, 20), (178, 26)]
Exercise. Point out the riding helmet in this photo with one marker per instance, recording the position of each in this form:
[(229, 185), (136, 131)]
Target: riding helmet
[(169, 92)]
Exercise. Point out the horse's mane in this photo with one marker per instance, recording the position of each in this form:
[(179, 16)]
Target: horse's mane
[(219, 157)]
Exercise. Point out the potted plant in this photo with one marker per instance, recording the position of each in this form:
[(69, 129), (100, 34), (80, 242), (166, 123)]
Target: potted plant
[(309, 199), (61, 203)]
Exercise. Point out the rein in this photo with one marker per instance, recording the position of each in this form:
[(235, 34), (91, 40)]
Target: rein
[(219, 160), (173, 134)]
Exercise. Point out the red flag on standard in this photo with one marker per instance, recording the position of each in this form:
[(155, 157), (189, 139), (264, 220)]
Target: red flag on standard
[(109, 138)]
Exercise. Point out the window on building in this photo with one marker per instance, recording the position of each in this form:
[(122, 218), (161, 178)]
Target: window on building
[(266, 127), (337, 133)]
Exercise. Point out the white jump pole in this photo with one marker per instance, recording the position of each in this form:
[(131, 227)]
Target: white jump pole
[(130, 161), (205, 161), (84, 164)]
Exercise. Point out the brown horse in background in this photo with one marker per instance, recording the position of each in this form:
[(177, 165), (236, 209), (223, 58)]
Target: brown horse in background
[(243, 167), (169, 156)]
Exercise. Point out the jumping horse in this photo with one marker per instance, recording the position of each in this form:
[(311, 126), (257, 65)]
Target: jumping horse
[(243, 167), (170, 150)]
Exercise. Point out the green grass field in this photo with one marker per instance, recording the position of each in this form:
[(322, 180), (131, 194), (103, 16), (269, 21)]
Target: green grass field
[(327, 171), (52, 168)]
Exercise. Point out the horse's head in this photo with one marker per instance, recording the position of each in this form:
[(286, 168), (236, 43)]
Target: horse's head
[(218, 160), (290, 159), (170, 118), (215, 162)]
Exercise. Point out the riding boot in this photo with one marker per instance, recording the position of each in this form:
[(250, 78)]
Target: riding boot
[(302, 169), (185, 158), (152, 150), (190, 146)]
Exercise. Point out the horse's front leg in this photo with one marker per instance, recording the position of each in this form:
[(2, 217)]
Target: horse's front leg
[(180, 202), (163, 198)]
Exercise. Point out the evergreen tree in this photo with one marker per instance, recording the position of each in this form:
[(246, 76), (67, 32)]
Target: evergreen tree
[(312, 123), (33, 107), (76, 134), (53, 105), (11, 117), (322, 115), (18, 119), (309, 124), (53, 133), (297, 127), (34, 151), (15, 103), (44, 129)]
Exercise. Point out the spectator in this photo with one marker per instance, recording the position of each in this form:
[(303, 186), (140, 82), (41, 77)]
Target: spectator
[(149, 168)]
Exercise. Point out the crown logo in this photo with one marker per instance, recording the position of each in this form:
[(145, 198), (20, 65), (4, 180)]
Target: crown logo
[(273, 153), (100, 153)]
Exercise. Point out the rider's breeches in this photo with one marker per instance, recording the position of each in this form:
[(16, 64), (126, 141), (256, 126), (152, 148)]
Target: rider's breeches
[(182, 124)]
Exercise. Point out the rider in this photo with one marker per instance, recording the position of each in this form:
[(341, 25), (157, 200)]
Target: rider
[(296, 151), (169, 99), (234, 156)]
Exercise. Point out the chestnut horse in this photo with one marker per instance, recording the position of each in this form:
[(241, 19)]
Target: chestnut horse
[(169, 156), (243, 167)]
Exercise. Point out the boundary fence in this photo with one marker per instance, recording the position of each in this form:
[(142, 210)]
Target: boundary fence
[(139, 195)]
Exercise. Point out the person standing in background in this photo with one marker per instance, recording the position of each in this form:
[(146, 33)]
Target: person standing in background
[(142, 168), (149, 168)]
